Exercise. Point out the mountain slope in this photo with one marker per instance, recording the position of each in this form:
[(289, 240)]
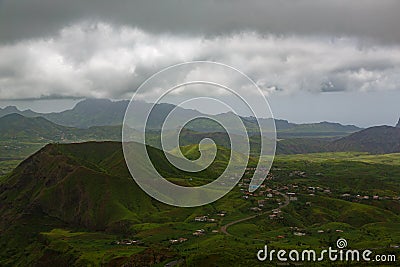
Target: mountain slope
[(12, 109), (19, 128), (82, 186), (380, 139), (90, 181), (16, 126)]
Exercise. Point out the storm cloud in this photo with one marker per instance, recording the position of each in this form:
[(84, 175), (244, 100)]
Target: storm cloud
[(98, 59), (369, 19), (58, 49)]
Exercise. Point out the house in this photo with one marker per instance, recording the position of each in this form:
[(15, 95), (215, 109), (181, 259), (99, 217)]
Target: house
[(255, 209), (128, 242), (199, 232), (276, 211), (299, 234), (201, 219)]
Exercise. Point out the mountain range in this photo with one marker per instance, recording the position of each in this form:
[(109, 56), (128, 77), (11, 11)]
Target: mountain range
[(17, 128), (104, 112)]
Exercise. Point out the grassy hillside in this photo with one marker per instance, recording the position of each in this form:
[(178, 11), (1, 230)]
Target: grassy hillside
[(69, 205)]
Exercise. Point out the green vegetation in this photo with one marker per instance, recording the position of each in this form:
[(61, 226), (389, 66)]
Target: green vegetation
[(76, 204)]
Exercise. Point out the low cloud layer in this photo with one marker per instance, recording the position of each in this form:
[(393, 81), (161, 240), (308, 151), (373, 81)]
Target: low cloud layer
[(103, 60)]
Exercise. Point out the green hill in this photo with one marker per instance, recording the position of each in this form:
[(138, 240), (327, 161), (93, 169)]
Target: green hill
[(68, 204)]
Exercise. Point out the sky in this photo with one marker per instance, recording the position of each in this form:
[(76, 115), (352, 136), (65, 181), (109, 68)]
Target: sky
[(332, 60)]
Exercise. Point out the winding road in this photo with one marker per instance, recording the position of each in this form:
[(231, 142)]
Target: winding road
[(226, 226)]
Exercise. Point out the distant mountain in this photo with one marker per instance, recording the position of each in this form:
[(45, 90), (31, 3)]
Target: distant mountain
[(104, 112), (14, 110), (37, 129), (379, 139), (91, 112)]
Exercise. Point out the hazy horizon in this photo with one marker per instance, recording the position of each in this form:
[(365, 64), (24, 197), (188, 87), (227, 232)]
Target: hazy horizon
[(309, 103)]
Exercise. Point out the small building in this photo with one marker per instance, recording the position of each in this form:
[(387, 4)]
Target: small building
[(199, 232), (299, 234), (256, 209), (201, 219)]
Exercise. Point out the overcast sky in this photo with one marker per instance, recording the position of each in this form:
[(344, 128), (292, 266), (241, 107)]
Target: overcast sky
[(314, 60)]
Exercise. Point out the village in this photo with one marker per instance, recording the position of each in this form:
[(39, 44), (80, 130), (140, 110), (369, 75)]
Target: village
[(268, 201)]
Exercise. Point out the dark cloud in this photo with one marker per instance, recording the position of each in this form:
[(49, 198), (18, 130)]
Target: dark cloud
[(104, 60), (370, 19)]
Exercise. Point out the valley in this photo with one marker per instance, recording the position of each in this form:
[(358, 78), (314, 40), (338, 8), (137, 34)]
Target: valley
[(73, 203)]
